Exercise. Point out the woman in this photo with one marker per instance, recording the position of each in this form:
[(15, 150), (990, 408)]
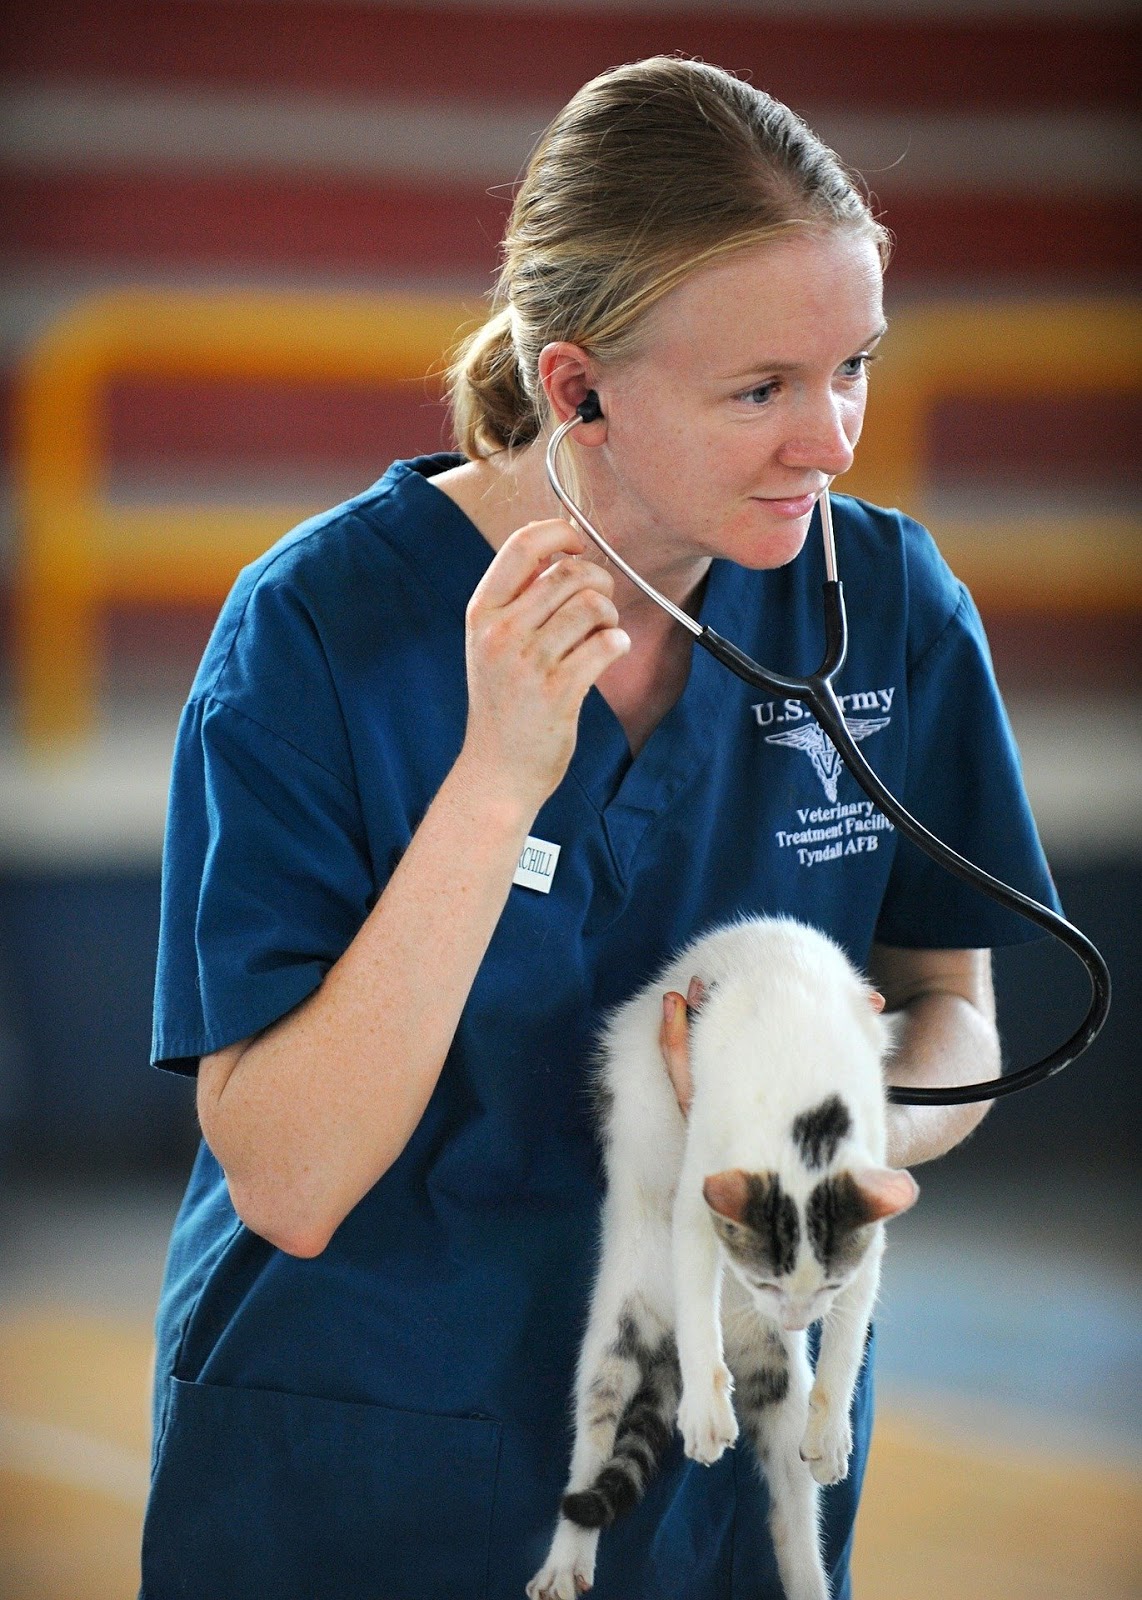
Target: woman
[(377, 1280)]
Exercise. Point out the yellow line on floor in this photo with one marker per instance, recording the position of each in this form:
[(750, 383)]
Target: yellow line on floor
[(65, 1456)]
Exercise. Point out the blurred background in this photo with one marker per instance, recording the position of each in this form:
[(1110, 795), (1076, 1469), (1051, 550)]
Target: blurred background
[(237, 236)]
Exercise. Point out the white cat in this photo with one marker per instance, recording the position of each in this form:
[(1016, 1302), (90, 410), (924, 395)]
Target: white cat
[(777, 1175)]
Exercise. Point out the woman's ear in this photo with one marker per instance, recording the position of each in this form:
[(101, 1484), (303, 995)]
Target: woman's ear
[(566, 373)]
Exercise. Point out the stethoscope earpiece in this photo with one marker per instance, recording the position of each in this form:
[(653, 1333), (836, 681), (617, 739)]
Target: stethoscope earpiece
[(589, 410)]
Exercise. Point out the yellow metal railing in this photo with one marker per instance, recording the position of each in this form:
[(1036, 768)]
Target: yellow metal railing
[(80, 552)]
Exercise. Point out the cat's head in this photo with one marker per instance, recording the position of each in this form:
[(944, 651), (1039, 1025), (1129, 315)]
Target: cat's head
[(794, 1245)]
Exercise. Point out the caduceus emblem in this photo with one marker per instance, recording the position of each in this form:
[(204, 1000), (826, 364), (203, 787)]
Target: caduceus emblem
[(812, 738)]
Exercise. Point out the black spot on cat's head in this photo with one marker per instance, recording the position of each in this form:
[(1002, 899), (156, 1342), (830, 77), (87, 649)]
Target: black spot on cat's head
[(835, 1214), (766, 1234), (817, 1133)]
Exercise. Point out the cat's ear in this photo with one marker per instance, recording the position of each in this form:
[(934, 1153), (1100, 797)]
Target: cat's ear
[(727, 1193), (885, 1191), (876, 1000)]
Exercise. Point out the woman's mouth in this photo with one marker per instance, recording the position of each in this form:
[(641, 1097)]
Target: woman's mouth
[(795, 506)]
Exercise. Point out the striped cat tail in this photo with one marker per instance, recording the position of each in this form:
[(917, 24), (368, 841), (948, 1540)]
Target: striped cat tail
[(641, 1442)]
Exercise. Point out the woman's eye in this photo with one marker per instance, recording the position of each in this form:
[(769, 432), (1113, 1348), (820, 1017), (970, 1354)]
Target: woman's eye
[(759, 395), (856, 365)]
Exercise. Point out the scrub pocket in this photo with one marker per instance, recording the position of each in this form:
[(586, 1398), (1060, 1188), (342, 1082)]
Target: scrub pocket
[(261, 1493)]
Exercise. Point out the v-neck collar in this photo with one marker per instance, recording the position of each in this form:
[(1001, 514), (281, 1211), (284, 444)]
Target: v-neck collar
[(441, 543), (444, 546)]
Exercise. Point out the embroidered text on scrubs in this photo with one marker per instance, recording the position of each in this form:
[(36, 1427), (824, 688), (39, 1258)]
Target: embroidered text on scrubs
[(768, 712), (808, 736), (852, 835)]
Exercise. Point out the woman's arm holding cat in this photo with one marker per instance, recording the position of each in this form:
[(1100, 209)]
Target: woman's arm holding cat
[(949, 1037)]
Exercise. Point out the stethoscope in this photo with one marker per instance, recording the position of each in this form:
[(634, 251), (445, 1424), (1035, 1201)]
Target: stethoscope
[(816, 691)]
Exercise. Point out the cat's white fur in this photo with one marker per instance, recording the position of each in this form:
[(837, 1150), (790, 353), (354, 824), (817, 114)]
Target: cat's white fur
[(787, 1025)]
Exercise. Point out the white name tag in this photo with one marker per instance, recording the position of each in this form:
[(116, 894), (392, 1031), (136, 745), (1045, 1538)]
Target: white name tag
[(537, 864)]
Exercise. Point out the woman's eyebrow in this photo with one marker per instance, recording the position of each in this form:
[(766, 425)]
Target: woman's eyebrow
[(756, 367)]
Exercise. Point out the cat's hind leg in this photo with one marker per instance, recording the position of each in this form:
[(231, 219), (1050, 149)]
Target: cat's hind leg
[(771, 1373)]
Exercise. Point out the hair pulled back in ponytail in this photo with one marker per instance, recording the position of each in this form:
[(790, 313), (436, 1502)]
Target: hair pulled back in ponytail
[(491, 409), (651, 171)]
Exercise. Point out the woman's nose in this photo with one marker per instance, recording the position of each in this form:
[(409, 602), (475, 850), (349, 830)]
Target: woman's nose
[(824, 438)]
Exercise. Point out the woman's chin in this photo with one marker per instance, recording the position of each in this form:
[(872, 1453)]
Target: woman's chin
[(775, 544)]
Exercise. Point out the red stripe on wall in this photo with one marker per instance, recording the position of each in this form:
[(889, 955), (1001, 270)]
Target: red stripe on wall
[(182, 221), (354, 431), (258, 425), (542, 55), (1095, 438), (186, 222), (1016, 238)]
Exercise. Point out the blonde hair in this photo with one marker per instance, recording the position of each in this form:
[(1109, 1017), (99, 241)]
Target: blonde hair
[(650, 172)]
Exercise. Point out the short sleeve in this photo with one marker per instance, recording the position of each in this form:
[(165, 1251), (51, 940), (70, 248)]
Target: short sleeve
[(964, 782), (266, 880)]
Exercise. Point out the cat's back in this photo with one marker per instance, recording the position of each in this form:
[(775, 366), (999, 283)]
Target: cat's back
[(788, 1023)]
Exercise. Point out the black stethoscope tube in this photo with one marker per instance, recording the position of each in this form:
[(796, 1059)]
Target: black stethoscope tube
[(816, 691)]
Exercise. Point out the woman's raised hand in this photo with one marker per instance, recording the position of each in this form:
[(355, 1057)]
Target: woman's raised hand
[(541, 628)]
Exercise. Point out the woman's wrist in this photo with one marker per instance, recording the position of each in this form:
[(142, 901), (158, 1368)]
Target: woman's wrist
[(494, 796)]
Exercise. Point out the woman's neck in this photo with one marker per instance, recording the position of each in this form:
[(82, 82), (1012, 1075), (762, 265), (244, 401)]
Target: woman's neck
[(503, 492)]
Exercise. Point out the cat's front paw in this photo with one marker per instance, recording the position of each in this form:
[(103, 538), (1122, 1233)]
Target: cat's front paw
[(569, 1570), (706, 1418), (828, 1441)]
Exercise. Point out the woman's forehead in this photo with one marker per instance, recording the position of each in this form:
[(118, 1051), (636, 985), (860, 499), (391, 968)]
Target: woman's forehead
[(785, 302)]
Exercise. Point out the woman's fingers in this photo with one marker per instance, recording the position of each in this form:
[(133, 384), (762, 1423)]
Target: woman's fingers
[(674, 1042), (567, 578), (541, 628), (538, 602), (674, 1038), (583, 610), (523, 556)]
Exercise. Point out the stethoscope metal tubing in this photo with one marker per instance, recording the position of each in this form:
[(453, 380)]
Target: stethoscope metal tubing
[(816, 691)]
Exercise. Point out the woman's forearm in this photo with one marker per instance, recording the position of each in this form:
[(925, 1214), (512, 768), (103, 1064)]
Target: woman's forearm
[(305, 1117), (946, 1041), (947, 1004)]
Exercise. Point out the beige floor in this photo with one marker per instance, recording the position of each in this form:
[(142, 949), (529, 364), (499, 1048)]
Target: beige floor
[(73, 1455), (944, 1518), (957, 1519)]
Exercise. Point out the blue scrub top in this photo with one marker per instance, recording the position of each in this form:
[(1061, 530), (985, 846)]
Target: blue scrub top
[(391, 1419)]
